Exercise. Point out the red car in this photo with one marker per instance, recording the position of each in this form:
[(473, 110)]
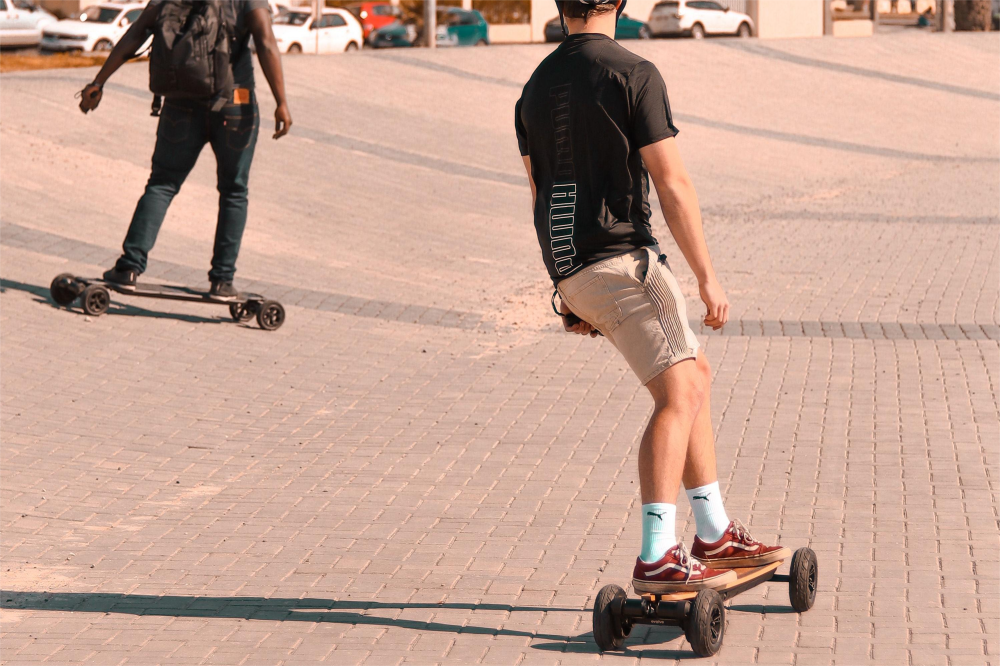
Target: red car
[(375, 15)]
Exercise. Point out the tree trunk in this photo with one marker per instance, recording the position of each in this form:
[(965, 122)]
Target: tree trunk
[(972, 15)]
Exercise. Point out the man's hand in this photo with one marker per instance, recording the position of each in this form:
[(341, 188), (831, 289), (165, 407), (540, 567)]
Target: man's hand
[(282, 121), (90, 97), (126, 48), (715, 301), (581, 327)]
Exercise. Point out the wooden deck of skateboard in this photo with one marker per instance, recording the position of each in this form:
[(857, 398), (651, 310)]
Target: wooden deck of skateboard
[(170, 292), (743, 577)]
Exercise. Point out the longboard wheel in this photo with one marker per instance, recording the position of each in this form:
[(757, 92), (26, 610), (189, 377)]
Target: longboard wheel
[(706, 624), (803, 579), (95, 300), (240, 312), (610, 630), (63, 289), (270, 315)]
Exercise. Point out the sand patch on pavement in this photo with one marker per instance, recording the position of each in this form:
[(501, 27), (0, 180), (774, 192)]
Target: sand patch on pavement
[(20, 62)]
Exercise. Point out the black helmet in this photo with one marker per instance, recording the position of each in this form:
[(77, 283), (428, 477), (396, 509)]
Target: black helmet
[(592, 3)]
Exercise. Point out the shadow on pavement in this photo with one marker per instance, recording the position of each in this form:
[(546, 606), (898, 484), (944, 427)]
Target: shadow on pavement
[(761, 609), (584, 644), (260, 608), (117, 309), (324, 610)]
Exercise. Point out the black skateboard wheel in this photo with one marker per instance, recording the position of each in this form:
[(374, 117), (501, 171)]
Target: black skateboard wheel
[(240, 311), (803, 579), (64, 289), (95, 300), (270, 315), (706, 623), (610, 628)]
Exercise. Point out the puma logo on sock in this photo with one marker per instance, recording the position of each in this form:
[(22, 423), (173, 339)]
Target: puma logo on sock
[(701, 497), (658, 515)]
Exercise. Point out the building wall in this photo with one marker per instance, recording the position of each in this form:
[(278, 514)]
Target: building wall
[(66, 8), (782, 19), (518, 33)]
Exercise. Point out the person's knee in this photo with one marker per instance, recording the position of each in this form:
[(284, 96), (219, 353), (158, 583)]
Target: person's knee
[(686, 393), (704, 369)]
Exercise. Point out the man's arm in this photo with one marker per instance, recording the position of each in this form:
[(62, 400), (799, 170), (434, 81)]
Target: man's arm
[(126, 47), (259, 21), (679, 203)]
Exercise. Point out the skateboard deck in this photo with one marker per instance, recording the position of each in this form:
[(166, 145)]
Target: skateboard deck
[(745, 577), (94, 295), (170, 292)]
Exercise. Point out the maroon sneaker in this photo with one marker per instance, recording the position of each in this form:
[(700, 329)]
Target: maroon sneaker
[(676, 571), (737, 549)]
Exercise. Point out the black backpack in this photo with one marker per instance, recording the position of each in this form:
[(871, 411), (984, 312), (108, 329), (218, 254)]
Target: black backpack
[(191, 52)]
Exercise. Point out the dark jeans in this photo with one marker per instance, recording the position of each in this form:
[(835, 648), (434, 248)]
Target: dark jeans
[(185, 127)]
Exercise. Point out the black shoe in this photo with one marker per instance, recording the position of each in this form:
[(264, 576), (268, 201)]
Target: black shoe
[(223, 290), (124, 278)]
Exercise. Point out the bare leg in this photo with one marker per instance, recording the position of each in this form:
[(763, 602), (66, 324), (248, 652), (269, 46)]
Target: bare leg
[(699, 466), (678, 393)]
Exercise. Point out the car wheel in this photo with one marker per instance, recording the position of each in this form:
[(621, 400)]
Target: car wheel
[(294, 49), (644, 33), (744, 30), (482, 42), (103, 45), (351, 46), (698, 31)]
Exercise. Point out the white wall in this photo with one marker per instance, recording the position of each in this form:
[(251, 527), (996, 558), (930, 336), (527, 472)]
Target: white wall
[(777, 19), (515, 33), (541, 12)]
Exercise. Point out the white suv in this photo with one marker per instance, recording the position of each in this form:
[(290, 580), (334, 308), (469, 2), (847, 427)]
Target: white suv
[(21, 23), (698, 18), (98, 29)]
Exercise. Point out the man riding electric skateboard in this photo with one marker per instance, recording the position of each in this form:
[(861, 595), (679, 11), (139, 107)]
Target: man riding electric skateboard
[(196, 112), (594, 126)]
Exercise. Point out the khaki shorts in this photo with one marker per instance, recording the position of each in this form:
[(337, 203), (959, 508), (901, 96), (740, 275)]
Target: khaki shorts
[(634, 300)]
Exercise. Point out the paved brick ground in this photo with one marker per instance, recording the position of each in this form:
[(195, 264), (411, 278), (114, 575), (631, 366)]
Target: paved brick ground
[(418, 468)]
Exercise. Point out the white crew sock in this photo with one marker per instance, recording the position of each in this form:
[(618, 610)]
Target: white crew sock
[(710, 516), (657, 530)]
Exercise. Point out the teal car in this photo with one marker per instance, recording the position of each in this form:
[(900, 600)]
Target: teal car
[(455, 27), (628, 28), (462, 27)]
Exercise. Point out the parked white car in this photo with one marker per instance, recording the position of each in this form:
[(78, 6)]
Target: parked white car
[(98, 28), (21, 23), (698, 18), (336, 31)]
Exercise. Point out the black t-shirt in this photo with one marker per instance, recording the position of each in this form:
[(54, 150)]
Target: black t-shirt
[(582, 118)]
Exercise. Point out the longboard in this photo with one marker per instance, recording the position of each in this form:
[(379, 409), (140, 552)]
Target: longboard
[(171, 292), (95, 298), (701, 614)]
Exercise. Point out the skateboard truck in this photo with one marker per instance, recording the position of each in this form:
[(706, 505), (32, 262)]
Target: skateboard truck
[(701, 614), (95, 298)]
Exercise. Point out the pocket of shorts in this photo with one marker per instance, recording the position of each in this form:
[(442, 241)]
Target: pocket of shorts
[(240, 122), (595, 304), (638, 271), (175, 124)]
